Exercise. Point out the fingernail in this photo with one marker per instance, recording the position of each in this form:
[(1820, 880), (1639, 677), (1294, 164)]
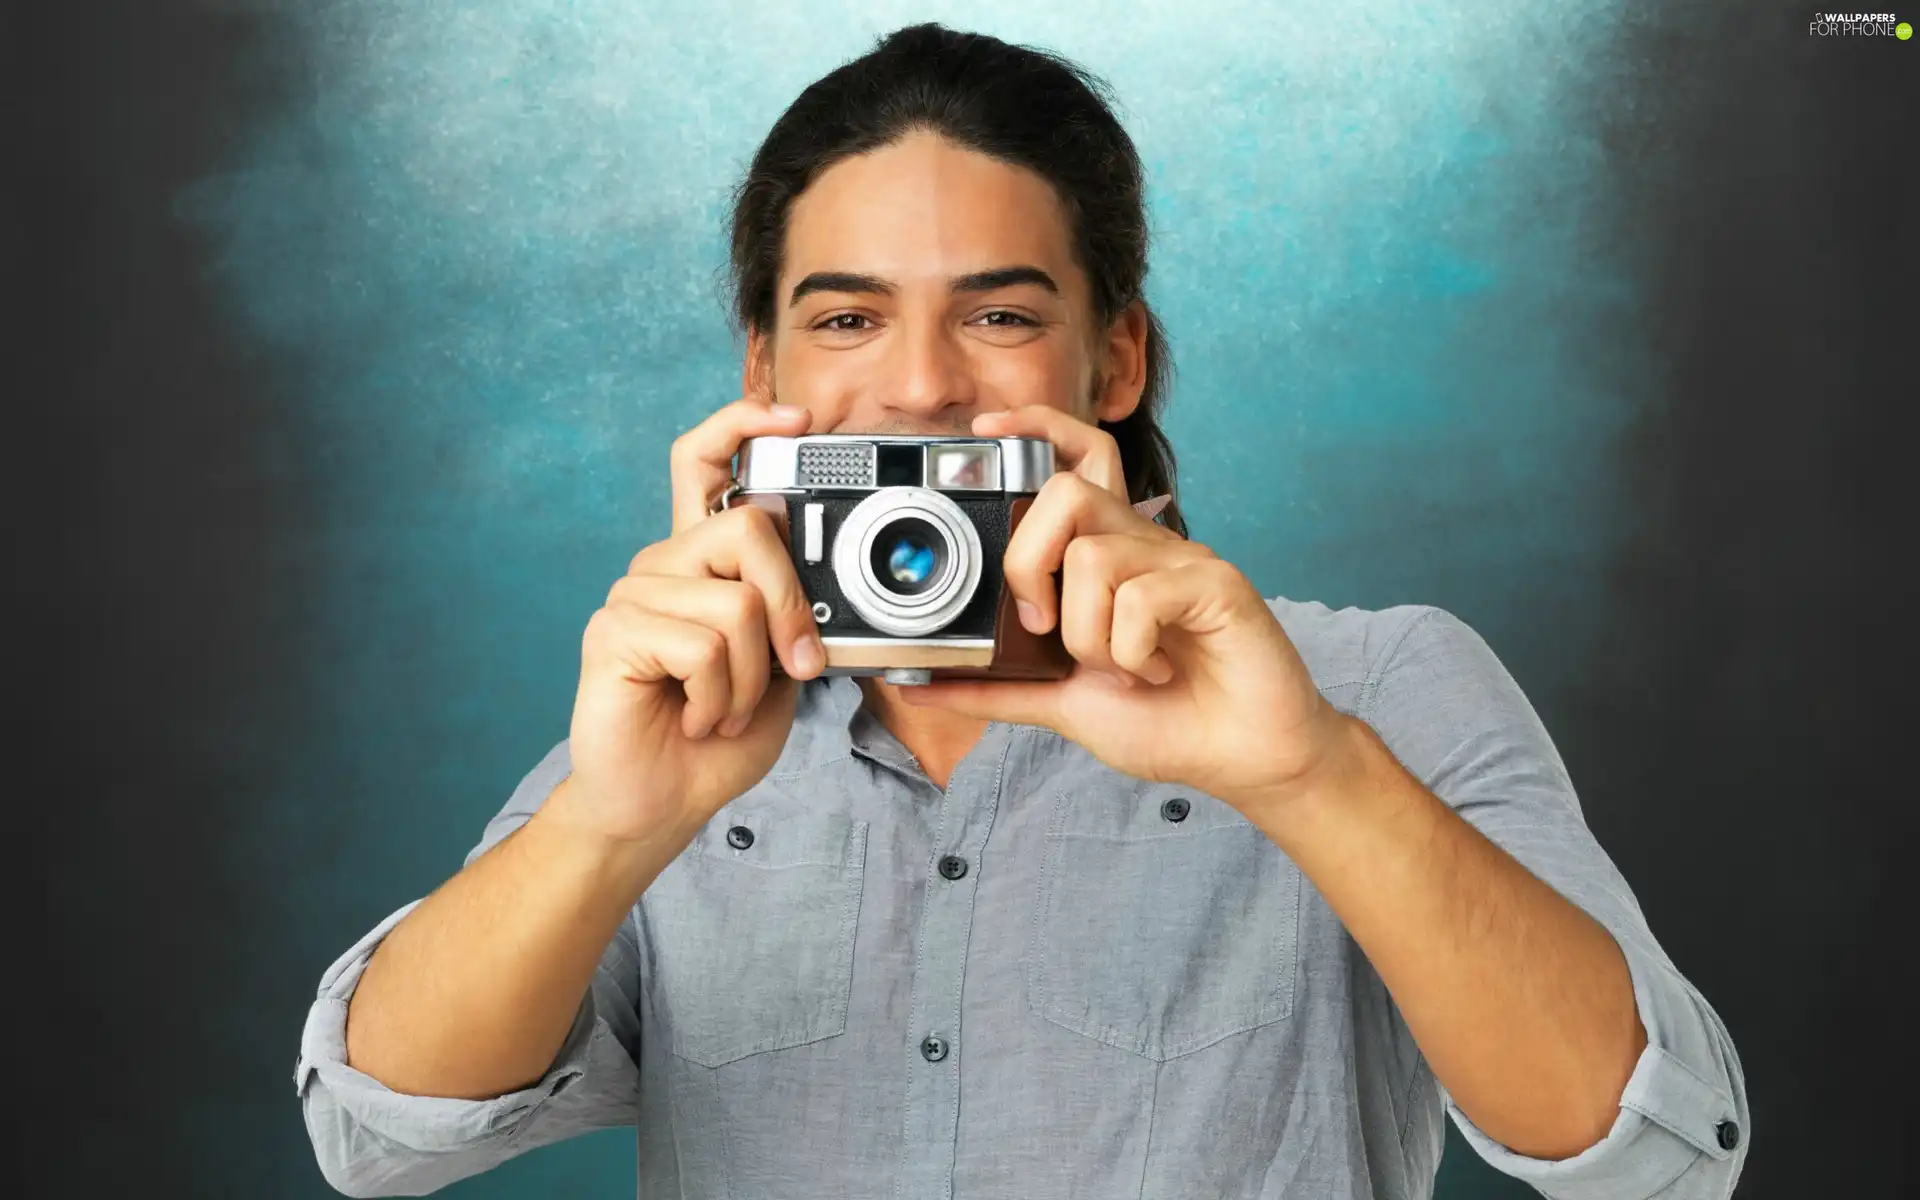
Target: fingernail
[(786, 411), (808, 657), (733, 725), (1029, 616)]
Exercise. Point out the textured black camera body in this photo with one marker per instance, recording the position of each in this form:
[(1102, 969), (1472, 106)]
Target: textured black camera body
[(898, 543), (992, 520)]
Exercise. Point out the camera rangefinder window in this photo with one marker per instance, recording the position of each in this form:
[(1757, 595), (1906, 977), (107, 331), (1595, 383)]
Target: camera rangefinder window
[(964, 466)]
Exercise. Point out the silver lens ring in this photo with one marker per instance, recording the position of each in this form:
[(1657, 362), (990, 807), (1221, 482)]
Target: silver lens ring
[(921, 613)]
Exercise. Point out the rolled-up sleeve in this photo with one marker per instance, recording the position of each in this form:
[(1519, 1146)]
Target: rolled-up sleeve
[(1453, 715), (373, 1141)]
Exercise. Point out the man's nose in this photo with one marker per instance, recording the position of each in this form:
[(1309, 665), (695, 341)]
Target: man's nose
[(930, 371)]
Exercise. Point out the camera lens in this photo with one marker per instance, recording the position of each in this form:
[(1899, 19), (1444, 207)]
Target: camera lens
[(908, 560), (909, 556)]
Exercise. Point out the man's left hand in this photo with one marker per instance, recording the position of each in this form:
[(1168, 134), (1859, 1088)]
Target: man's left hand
[(1182, 673)]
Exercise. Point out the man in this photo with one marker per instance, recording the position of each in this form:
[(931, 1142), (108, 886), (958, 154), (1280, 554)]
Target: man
[(1239, 908)]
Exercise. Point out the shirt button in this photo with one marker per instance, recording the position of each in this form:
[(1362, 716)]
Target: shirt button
[(1176, 809), (739, 837), (953, 866), (1727, 1133), (933, 1049)]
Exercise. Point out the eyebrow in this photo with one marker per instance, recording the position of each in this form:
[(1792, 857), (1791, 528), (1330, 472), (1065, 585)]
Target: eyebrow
[(978, 281)]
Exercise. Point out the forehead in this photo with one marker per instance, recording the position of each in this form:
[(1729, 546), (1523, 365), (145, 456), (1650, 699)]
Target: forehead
[(924, 208)]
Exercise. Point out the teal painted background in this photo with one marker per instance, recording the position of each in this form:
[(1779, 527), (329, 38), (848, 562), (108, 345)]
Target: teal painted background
[(477, 249)]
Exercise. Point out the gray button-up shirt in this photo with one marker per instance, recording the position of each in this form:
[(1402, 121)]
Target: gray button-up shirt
[(1048, 980)]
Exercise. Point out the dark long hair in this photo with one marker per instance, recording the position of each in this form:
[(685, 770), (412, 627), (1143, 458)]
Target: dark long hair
[(1019, 105)]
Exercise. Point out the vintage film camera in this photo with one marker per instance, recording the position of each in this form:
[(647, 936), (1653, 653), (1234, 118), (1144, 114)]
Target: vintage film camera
[(898, 543)]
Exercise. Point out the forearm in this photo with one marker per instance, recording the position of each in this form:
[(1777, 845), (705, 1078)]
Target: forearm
[(1520, 1001), (472, 995)]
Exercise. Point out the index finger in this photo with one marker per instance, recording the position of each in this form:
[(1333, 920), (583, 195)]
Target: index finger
[(744, 543), (1066, 507), (1086, 450), (702, 457)]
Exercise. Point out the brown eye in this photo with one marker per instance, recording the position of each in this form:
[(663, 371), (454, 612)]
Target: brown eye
[(838, 323), (1013, 320)]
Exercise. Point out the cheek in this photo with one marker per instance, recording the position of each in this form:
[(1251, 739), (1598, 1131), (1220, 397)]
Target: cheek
[(825, 384), (1048, 371)]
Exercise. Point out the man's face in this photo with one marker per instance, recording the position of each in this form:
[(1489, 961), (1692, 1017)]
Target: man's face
[(925, 284)]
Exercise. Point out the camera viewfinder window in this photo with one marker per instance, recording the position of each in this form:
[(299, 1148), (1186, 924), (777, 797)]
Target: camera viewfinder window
[(900, 464)]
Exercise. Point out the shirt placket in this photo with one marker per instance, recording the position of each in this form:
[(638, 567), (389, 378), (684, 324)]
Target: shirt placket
[(935, 1045)]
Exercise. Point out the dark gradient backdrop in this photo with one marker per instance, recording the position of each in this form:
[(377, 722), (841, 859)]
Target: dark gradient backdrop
[(347, 339)]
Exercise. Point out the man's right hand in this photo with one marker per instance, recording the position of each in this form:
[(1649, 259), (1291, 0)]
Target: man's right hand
[(678, 711)]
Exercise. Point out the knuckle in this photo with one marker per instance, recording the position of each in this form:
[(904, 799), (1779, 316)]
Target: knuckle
[(758, 521), (625, 588), (748, 609), (602, 631), (1078, 495), (657, 557), (1022, 557), (1218, 569), (1084, 555), (596, 630), (684, 451), (710, 647), (748, 601)]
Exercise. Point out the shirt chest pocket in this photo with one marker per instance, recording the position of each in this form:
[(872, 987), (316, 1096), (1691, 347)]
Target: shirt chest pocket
[(750, 932), (1164, 921)]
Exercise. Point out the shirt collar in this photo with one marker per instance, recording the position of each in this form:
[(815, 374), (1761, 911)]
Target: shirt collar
[(831, 722)]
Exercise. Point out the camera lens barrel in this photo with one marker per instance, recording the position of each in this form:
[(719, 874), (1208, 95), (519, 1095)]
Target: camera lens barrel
[(908, 560)]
